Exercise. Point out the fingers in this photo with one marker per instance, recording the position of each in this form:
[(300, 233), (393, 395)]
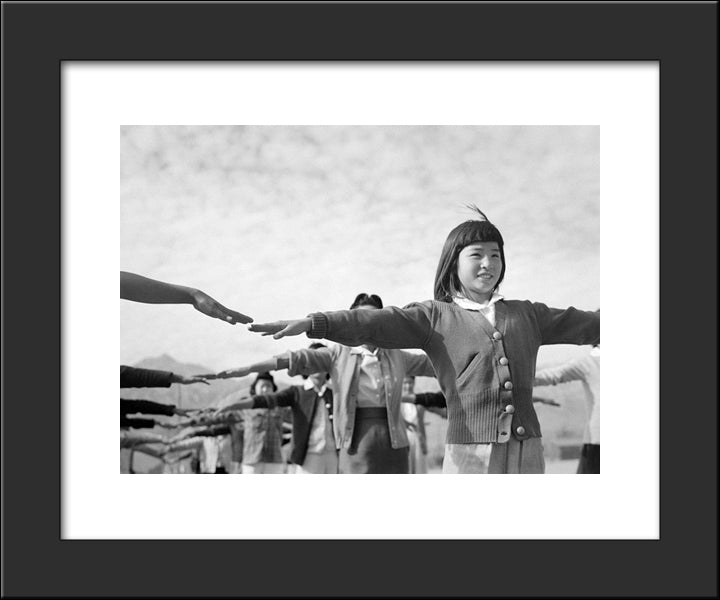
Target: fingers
[(236, 317), (231, 316), (230, 373), (211, 307), (266, 328)]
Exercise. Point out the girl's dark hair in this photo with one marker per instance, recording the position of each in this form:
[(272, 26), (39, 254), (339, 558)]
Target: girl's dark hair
[(447, 283), (260, 376), (367, 300)]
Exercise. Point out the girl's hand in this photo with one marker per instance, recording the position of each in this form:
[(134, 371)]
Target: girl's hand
[(229, 373), (208, 376), (280, 329), (186, 380), (212, 308)]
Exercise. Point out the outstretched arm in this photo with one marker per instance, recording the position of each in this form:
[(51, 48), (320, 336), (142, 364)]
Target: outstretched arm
[(430, 399), (137, 377), (200, 431), (186, 444), (151, 291), (573, 370), (271, 364), (389, 327), (211, 417), (134, 438), (548, 401), (281, 329)]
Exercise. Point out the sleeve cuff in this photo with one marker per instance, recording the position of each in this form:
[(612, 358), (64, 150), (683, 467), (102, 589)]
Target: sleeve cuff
[(319, 327), (281, 359)]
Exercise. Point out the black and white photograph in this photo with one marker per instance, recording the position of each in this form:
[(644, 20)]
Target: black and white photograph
[(465, 259)]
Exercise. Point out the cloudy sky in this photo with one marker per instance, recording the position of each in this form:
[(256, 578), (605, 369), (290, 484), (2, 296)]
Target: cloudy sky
[(280, 221)]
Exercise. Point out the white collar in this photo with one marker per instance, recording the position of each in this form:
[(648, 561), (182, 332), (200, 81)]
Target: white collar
[(472, 305), (308, 385), (364, 350)]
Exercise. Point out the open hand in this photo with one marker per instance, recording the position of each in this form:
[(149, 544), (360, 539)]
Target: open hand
[(230, 373), (212, 308), (187, 380), (280, 329)]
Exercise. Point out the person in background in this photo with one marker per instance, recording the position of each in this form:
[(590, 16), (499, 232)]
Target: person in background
[(586, 370), (263, 431), (313, 448), (414, 417), (150, 291), (367, 389)]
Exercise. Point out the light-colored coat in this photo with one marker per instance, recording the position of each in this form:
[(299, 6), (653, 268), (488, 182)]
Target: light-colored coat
[(343, 364)]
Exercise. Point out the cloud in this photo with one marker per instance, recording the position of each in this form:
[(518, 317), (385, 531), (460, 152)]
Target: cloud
[(279, 221)]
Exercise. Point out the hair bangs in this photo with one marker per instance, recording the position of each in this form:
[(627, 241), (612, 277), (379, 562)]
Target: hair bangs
[(469, 232)]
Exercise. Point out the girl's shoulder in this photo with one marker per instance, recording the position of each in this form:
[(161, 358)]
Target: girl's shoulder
[(421, 304), (452, 306), (519, 304)]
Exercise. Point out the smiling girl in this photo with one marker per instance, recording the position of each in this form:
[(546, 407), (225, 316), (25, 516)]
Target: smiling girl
[(483, 349)]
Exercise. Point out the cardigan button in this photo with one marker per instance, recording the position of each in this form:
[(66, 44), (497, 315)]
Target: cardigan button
[(497, 335), (510, 409), (520, 430), (503, 361), (328, 405), (330, 416), (508, 385)]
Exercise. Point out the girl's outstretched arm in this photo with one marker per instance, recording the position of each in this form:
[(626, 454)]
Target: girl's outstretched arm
[(271, 364), (573, 370), (151, 291), (280, 329), (390, 327), (129, 438)]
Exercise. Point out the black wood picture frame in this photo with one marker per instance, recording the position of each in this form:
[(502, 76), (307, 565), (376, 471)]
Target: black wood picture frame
[(38, 38)]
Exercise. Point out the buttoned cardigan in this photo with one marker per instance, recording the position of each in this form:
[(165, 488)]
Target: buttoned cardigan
[(344, 367), (485, 372)]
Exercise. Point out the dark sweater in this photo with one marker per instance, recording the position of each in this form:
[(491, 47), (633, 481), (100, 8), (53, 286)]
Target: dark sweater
[(485, 372)]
